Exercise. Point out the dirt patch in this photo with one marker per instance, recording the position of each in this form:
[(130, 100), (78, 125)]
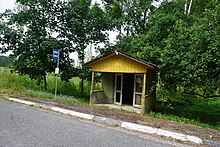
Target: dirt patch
[(204, 133)]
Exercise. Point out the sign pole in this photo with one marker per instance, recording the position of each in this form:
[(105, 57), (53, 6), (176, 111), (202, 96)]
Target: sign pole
[(57, 72), (56, 57)]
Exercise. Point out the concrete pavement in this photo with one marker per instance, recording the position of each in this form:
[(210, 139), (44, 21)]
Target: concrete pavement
[(109, 121), (23, 126)]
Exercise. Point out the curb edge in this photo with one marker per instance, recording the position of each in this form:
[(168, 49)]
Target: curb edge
[(114, 122)]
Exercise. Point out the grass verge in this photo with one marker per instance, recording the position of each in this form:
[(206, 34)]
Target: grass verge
[(188, 109), (60, 98), (205, 113)]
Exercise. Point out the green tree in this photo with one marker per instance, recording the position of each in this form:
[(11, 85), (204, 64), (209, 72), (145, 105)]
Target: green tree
[(185, 47), (32, 25), (28, 33), (10, 37), (82, 24), (128, 18), (188, 44)]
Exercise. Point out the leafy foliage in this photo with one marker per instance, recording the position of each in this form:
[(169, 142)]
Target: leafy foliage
[(29, 33), (32, 24), (82, 25), (128, 16), (185, 47)]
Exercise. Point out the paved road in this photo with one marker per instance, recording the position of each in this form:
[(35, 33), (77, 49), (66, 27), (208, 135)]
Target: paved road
[(25, 126)]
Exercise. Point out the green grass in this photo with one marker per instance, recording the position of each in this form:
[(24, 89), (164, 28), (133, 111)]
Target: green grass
[(68, 92), (174, 107), (188, 109), (60, 98)]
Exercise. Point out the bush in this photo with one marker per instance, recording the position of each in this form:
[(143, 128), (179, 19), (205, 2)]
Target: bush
[(187, 108)]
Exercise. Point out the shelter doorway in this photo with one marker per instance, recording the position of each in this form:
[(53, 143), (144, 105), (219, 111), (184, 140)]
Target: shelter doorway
[(124, 85), (118, 89), (128, 86)]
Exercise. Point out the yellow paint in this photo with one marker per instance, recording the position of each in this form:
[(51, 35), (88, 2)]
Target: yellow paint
[(118, 64), (143, 94)]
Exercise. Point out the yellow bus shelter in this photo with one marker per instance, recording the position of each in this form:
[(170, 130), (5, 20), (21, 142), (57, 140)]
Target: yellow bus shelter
[(126, 80)]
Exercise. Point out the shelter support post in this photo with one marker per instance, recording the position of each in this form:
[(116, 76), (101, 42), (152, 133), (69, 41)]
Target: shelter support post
[(92, 84), (143, 94), (92, 87)]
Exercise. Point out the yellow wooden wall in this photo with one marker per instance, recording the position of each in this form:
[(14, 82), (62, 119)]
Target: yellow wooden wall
[(118, 64)]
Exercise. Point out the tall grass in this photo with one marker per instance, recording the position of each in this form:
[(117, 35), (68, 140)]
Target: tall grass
[(170, 106), (71, 88), (11, 83), (61, 98), (188, 109)]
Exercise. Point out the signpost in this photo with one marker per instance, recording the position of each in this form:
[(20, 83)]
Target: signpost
[(55, 54), (56, 57)]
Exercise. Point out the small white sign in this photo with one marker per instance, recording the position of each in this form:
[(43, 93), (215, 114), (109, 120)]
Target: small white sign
[(56, 70)]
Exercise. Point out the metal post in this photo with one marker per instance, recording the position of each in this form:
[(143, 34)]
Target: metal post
[(57, 73)]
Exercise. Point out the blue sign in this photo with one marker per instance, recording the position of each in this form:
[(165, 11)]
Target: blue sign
[(55, 54)]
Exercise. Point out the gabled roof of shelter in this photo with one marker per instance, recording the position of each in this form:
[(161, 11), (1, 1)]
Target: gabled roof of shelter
[(141, 61)]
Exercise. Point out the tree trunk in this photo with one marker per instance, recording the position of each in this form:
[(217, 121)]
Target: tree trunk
[(185, 9), (45, 81), (190, 6), (82, 86), (82, 72)]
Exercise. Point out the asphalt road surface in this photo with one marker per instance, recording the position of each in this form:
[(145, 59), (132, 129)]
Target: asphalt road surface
[(22, 125)]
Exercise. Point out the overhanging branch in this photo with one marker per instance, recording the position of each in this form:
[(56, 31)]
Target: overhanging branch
[(200, 95)]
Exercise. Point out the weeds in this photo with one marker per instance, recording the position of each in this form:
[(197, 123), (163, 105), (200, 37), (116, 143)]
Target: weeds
[(61, 98), (192, 110), (11, 83), (170, 106)]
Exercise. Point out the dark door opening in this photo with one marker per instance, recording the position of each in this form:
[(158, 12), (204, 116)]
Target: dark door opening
[(128, 89), (118, 88)]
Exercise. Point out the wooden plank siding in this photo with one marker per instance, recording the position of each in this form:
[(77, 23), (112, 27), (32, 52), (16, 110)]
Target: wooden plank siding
[(119, 64)]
